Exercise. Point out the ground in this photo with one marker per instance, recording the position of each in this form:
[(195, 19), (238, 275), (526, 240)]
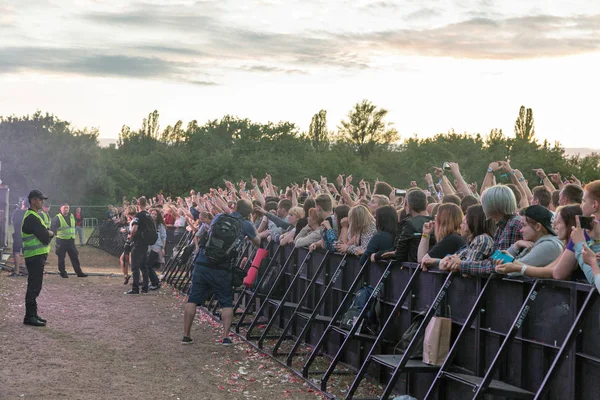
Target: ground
[(101, 344)]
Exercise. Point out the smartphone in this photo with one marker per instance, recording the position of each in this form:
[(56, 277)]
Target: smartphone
[(400, 192), (446, 166), (587, 223), (505, 258)]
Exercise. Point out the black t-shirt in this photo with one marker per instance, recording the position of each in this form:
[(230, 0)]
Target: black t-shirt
[(142, 220), (448, 245)]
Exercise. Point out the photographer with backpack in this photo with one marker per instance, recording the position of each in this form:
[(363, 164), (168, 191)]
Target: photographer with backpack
[(143, 234), (213, 266)]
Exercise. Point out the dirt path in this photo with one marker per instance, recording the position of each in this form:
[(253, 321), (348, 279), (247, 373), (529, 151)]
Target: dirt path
[(101, 344)]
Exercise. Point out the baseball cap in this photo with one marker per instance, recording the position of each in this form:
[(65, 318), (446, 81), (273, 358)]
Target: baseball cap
[(541, 215), (36, 194)]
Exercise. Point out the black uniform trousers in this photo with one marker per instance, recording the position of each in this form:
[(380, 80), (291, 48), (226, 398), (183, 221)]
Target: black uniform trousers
[(138, 262), (64, 247), (35, 277), (151, 264)]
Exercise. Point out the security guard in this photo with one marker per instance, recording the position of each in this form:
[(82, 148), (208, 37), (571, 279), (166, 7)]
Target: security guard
[(64, 227), (36, 246), (45, 216)]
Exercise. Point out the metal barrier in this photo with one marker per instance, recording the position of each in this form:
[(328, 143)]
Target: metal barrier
[(108, 238), (511, 338), (90, 222)]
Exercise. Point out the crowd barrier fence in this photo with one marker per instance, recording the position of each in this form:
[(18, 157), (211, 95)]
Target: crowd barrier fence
[(511, 338)]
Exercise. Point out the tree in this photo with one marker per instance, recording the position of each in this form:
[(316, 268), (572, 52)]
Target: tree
[(366, 128), (317, 131), (524, 125)]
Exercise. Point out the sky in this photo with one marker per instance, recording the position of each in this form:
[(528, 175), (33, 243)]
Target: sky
[(435, 65)]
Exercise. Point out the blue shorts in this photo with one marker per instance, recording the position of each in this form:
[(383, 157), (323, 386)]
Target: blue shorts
[(206, 281), (17, 245)]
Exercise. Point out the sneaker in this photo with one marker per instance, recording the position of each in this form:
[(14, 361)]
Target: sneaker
[(82, 275), (64, 275), (187, 340), (152, 287), (40, 319), (226, 342), (132, 292)]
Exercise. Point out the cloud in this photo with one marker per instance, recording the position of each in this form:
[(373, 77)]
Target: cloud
[(193, 43), (88, 62), (482, 38), (272, 69), (424, 13)]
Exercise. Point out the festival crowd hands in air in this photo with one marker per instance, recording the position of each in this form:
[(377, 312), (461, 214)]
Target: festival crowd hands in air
[(546, 230)]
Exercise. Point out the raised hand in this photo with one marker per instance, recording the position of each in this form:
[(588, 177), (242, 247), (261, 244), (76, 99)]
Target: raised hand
[(473, 187), (429, 179), (574, 180), (540, 173), (454, 168), (495, 166), (556, 178), (348, 180), (438, 172), (428, 228)]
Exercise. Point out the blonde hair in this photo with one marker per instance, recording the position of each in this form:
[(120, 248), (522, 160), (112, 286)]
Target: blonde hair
[(313, 215), (380, 199), (448, 219), (359, 219), (297, 212)]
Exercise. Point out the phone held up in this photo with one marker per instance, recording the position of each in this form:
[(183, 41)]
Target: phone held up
[(400, 192), (446, 166), (587, 223)]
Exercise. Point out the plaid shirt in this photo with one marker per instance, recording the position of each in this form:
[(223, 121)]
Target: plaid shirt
[(479, 249), (508, 232)]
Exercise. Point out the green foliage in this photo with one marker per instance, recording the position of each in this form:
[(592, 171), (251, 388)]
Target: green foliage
[(317, 131), (524, 125), (44, 152), (366, 129)]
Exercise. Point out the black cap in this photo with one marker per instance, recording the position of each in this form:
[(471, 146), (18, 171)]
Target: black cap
[(542, 215), (36, 194)]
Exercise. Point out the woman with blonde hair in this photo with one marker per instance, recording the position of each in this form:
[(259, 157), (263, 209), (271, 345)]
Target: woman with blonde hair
[(312, 232), (446, 228), (361, 228)]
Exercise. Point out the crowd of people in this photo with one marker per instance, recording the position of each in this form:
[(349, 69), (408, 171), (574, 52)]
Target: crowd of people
[(545, 230)]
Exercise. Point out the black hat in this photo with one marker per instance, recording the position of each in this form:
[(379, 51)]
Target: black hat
[(541, 215), (36, 194)]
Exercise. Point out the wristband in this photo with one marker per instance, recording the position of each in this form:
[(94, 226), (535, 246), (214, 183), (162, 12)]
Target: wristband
[(490, 171), (523, 269), (544, 177), (425, 236), (521, 179), (512, 172)]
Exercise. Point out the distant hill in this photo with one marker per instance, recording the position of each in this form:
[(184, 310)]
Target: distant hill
[(105, 142), (581, 151)]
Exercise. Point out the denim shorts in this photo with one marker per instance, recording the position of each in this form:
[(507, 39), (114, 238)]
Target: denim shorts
[(206, 281)]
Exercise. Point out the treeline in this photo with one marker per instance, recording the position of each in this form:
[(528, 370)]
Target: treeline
[(42, 151)]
